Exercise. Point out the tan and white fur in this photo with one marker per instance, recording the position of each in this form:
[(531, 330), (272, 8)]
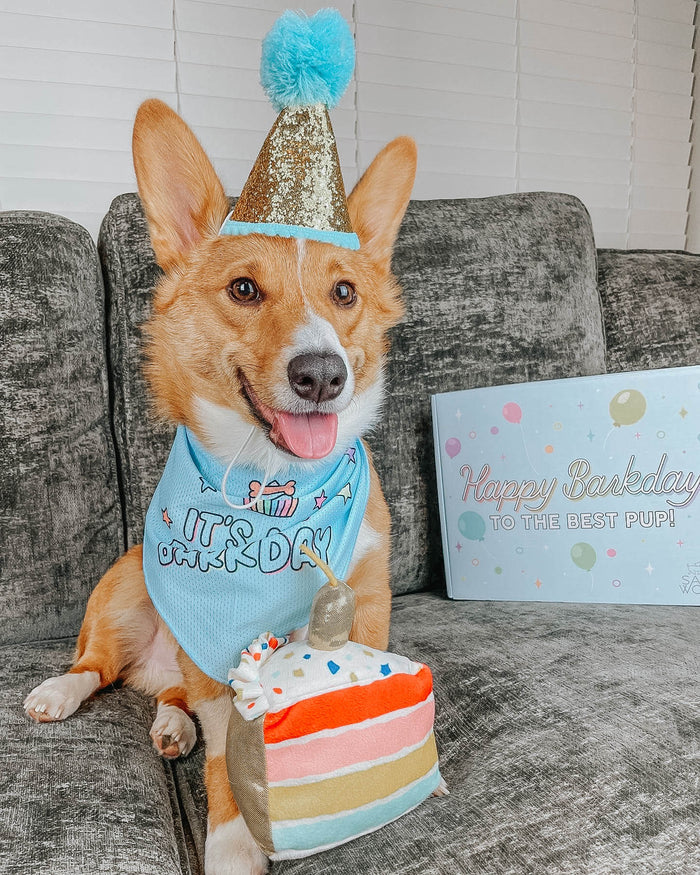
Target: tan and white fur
[(218, 362)]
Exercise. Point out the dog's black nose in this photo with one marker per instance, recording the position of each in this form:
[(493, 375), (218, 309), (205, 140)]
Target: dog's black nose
[(317, 376)]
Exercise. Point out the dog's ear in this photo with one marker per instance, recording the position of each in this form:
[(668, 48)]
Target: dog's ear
[(379, 200), (181, 194)]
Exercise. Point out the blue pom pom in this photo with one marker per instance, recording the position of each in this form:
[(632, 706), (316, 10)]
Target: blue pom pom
[(307, 60)]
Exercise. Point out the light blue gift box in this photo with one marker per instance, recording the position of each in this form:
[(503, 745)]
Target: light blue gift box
[(578, 490)]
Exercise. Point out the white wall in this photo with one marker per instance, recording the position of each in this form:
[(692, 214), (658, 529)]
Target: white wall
[(591, 97)]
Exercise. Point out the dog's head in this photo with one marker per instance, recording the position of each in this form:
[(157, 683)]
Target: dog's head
[(284, 334)]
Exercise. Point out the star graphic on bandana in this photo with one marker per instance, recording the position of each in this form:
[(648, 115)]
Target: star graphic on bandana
[(346, 492), (350, 453), (205, 486), (166, 519), (319, 499)]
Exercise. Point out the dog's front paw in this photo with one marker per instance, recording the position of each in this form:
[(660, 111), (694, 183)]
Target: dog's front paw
[(441, 789), (231, 850), (57, 698), (173, 732)]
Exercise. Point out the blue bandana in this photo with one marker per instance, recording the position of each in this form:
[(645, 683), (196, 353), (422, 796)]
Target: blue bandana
[(221, 577)]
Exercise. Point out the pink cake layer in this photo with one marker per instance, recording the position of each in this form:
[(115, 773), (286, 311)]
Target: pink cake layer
[(372, 741)]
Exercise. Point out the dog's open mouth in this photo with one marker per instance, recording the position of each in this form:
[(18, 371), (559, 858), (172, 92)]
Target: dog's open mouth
[(307, 435)]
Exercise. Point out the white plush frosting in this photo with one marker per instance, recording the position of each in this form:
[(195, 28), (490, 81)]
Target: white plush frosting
[(274, 673)]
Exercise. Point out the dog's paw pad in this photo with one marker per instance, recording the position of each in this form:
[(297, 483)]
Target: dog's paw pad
[(173, 732), (57, 698), (441, 789)]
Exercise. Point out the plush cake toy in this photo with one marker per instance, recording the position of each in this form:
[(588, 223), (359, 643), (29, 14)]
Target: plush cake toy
[(328, 739)]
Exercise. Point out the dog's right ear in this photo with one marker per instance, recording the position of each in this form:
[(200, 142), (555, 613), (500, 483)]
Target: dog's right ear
[(180, 191)]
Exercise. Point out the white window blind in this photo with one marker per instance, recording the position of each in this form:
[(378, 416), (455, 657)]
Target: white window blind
[(693, 229), (71, 76), (661, 130), (591, 97), (576, 80), (446, 76)]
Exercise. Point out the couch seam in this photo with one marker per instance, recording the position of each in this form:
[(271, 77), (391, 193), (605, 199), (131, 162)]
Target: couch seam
[(180, 819), (596, 279)]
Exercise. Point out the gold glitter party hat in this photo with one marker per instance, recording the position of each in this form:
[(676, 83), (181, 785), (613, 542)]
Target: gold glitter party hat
[(295, 188)]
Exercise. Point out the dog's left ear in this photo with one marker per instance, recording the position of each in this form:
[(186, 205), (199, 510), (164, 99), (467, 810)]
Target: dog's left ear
[(180, 191), (379, 200)]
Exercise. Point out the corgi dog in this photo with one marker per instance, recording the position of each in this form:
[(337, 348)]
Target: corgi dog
[(267, 349)]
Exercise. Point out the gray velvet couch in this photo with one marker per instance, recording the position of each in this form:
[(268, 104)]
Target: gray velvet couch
[(569, 734)]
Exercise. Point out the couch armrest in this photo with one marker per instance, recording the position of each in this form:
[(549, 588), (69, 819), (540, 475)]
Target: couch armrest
[(651, 307), (60, 509)]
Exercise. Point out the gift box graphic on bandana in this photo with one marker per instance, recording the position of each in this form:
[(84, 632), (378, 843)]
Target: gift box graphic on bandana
[(277, 499), (578, 490)]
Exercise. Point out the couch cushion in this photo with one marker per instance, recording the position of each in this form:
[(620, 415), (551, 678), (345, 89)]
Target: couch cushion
[(86, 795), (130, 274), (497, 290), (60, 516), (651, 302), (568, 736)]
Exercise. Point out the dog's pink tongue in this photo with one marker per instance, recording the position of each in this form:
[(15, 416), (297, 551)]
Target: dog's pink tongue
[(308, 435)]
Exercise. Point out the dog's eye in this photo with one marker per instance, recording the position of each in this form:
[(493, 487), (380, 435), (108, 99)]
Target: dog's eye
[(244, 291), (344, 294)]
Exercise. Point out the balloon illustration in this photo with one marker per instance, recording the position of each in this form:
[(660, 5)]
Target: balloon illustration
[(627, 407), (512, 412), (452, 447), (472, 526), (583, 556)]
